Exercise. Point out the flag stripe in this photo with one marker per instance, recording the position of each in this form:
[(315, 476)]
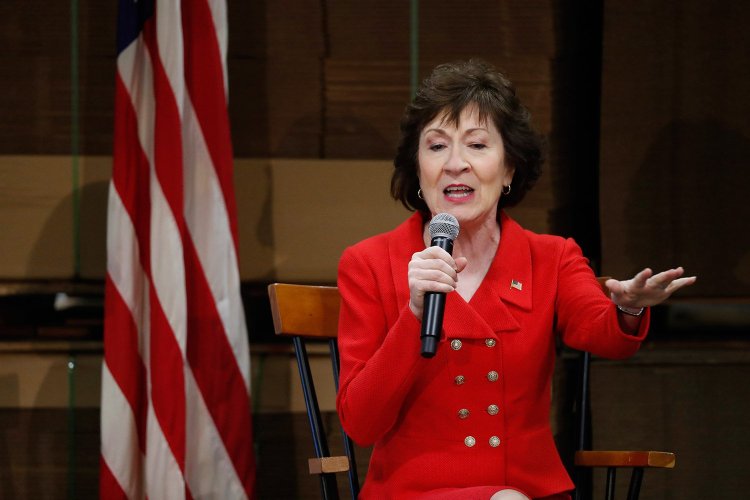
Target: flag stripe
[(130, 176), (213, 298), (163, 475), (207, 346), (140, 186), (207, 89), (176, 370), (168, 303), (209, 469), (120, 449), (214, 307), (219, 16), (124, 391), (206, 214), (109, 488), (130, 373)]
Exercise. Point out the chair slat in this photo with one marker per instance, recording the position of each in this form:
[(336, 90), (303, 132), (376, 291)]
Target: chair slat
[(327, 465), (307, 311), (660, 459)]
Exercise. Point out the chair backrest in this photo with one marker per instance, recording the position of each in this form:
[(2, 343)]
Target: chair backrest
[(305, 312), (312, 312)]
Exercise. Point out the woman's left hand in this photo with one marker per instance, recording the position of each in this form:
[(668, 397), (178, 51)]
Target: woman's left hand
[(646, 288)]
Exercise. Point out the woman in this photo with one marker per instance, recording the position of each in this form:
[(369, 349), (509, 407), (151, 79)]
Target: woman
[(472, 422)]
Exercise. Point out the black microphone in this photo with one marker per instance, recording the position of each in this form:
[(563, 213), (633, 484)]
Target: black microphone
[(443, 230)]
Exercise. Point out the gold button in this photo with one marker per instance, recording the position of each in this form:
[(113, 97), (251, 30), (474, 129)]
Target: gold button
[(493, 376), (490, 342), (460, 379), (470, 441), (463, 413), (494, 441), (456, 344), (493, 409)]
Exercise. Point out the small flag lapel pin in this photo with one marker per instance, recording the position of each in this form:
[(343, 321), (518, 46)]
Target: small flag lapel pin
[(516, 284)]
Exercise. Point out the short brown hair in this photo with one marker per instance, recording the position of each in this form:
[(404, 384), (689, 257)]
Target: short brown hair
[(450, 89)]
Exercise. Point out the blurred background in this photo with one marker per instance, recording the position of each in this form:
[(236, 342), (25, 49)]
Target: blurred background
[(644, 108)]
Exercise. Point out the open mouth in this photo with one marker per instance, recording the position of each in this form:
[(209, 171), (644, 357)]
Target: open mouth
[(457, 192)]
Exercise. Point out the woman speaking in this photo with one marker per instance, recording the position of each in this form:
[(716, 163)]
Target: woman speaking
[(472, 421)]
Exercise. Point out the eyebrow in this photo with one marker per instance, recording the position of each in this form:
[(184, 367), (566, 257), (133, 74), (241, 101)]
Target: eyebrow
[(442, 131)]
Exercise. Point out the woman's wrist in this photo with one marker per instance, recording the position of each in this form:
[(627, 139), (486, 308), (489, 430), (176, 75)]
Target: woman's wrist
[(629, 318), (631, 311)]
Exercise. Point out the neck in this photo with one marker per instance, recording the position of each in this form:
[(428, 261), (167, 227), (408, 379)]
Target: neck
[(477, 242)]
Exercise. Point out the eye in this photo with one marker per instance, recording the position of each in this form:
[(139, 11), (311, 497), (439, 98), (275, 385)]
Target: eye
[(477, 145), (436, 147)]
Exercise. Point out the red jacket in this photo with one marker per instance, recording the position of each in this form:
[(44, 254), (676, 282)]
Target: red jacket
[(476, 415)]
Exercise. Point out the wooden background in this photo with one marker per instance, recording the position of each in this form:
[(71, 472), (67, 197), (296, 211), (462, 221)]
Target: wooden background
[(659, 162)]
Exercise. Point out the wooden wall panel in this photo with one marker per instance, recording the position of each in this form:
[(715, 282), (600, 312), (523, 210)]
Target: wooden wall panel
[(365, 99), (97, 42), (36, 217), (684, 400), (676, 142), (294, 48), (307, 79), (35, 77), (366, 77)]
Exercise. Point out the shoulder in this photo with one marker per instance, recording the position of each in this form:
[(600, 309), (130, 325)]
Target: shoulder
[(545, 242)]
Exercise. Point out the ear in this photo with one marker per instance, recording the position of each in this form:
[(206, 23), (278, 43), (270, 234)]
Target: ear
[(510, 171)]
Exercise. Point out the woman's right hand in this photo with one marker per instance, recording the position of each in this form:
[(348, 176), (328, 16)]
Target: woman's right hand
[(432, 270)]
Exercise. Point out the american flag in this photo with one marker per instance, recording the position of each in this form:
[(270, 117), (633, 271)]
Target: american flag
[(175, 420)]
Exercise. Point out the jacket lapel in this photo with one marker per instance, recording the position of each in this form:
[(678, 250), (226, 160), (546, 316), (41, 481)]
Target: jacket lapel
[(506, 288), (512, 273)]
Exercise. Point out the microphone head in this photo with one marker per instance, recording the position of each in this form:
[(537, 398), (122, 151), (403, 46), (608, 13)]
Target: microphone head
[(444, 225)]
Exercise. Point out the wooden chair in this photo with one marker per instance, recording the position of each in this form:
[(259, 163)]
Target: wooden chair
[(312, 312), (612, 460)]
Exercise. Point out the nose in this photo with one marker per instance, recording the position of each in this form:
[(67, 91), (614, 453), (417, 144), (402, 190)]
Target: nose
[(456, 163)]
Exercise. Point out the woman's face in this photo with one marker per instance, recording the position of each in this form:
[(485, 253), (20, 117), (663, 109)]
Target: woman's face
[(462, 168)]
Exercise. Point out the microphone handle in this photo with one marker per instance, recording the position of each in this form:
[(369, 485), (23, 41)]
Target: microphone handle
[(434, 307)]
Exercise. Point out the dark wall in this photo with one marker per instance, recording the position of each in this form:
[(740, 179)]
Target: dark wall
[(676, 141), (308, 79)]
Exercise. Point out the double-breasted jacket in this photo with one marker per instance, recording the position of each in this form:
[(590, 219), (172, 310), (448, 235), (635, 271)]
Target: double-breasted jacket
[(475, 417)]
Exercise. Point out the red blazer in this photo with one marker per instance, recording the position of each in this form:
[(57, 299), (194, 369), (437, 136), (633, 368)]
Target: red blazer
[(475, 418)]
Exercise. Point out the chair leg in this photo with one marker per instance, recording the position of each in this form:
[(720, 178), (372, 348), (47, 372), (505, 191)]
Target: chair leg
[(611, 476), (635, 483), (328, 486), (583, 479), (583, 483), (583, 404), (348, 445)]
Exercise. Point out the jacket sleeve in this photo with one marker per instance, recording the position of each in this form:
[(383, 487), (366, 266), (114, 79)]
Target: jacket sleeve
[(586, 317), (379, 361)]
